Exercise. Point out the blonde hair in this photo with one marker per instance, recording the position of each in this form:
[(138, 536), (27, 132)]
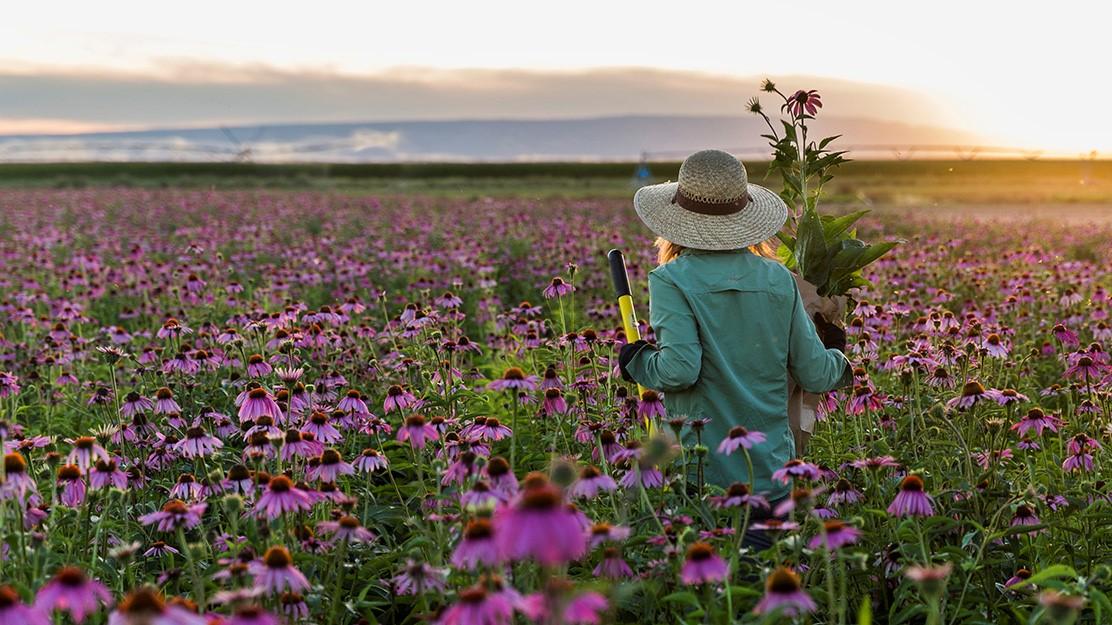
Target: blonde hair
[(666, 251)]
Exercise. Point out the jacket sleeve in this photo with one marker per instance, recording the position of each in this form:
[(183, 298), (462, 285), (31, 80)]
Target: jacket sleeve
[(816, 368), (674, 364)]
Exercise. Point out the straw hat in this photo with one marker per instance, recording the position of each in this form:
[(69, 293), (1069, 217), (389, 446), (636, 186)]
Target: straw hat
[(712, 206)]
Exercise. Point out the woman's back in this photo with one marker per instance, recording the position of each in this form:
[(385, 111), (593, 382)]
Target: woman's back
[(731, 328)]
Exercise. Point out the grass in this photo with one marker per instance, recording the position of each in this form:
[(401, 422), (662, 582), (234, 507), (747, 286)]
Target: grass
[(871, 183)]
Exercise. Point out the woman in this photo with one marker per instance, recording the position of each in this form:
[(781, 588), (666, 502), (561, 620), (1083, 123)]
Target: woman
[(732, 330)]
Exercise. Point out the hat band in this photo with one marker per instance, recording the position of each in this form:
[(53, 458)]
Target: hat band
[(709, 208)]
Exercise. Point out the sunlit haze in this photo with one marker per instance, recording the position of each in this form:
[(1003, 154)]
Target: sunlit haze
[(1017, 73)]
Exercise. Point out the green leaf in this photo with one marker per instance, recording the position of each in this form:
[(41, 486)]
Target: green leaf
[(835, 227), (810, 245), (683, 597), (826, 141), (786, 256), (1054, 571), (865, 612)]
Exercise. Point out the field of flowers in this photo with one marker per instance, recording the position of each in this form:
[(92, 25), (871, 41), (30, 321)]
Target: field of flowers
[(248, 408)]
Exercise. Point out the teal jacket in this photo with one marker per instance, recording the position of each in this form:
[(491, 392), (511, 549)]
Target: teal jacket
[(730, 328)]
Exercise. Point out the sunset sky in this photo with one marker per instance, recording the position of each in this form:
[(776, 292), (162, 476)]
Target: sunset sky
[(1018, 73)]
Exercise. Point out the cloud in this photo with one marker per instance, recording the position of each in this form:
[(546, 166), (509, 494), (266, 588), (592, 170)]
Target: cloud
[(192, 94)]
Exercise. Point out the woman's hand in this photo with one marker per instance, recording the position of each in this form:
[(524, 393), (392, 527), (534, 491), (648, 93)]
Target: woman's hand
[(832, 335), (625, 356)]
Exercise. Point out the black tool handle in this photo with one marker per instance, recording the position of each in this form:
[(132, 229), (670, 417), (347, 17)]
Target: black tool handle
[(618, 272)]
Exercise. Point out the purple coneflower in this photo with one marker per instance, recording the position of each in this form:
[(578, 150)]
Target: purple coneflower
[(370, 461), (331, 466), (703, 565), (71, 485), (844, 493), (318, 424), (796, 469), (835, 535), (911, 500), (164, 402), (651, 405), (14, 612), (198, 443), (738, 436), (398, 398), (995, 346), (613, 565), (253, 615), (134, 404), (419, 577), (145, 606), (477, 606), (591, 482), (804, 101), (1025, 515), (554, 402), (417, 431), (1036, 420), (275, 572), (477, 546), (259, 402), (85, 451), (972, 393), (738, 495), (784, 593), (258, 367), (539, 526), (16, 481), (557, 288), (282, 496), (71, 591), (175, 514), (1021, 575), (491, 429), (353, 403), (514, 379)]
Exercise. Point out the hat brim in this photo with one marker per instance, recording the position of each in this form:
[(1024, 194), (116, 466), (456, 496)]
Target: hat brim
[(759, 221)]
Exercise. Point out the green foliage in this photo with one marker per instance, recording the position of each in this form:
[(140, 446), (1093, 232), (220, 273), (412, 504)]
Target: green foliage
[(824, 248)]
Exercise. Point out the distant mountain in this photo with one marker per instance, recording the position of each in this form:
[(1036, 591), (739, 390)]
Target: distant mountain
[(601, 138)]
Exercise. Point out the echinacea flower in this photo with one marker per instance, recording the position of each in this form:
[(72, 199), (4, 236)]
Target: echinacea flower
[(835, 535), (801, 102), (14, 612), (738, 436), (539, 526), (590, 483), (738, 495), (16, 481), (276, 572), (557, 603), (557, 288), (477, 546), (146, 606), (703, 565), (198, 443), (252, 615), (175, 514), (72, 486), (784, 593), (795, 469), (417, 431), (370, 461), (331, 466), (418, 578), (282, 496), (164, 402), (613, 565), (347, 528), (478, 606), (651, 405), (72, 591), (259, 402), (514, 379), (911, 500)]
